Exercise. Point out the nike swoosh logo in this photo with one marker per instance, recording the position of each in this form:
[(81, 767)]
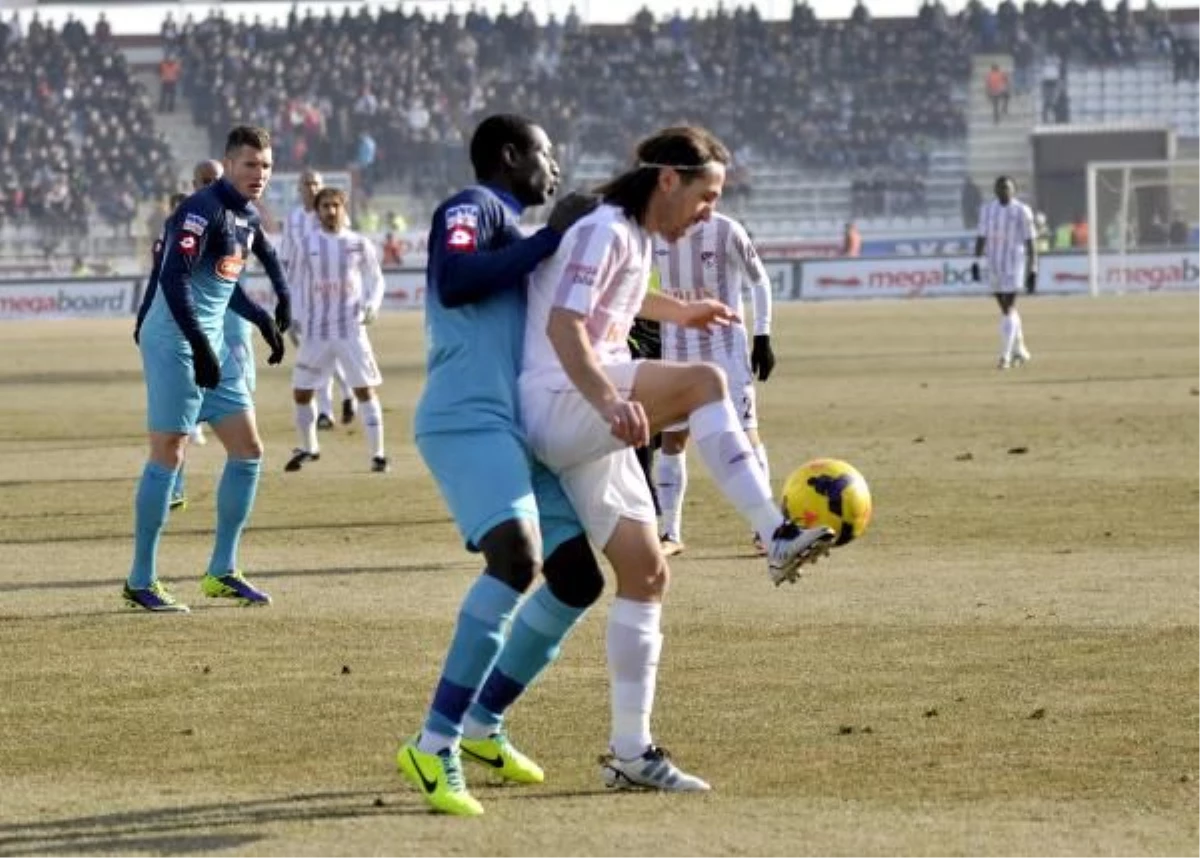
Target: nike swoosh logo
[(494, 762), (430, 785)]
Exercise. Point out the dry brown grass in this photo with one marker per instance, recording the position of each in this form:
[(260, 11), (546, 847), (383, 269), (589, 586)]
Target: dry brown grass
[(886, 705)]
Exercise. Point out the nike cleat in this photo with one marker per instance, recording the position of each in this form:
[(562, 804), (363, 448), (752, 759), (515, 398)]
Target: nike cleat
[(178, 502), (324, 422), (439, 779), (233, 586), (792, 547), (670, 545), (498, 754), (652, 770), (379, 465), (348, 410), (155, 599), (299, 457)]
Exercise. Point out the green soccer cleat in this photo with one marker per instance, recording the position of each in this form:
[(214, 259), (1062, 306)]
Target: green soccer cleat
[(498, 754), (154, 598), (178, 503), (233, 586), (439, 779)]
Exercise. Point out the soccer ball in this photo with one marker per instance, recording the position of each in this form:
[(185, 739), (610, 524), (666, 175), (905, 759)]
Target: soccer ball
[(828, 492)]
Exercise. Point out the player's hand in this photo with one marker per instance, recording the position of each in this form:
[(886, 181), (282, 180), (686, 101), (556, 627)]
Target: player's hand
[(283, 312), (370, 314), (1031, 281), (206, 369), (270, 332), (627, 422), (975, 274), (762, 359), (706, 314), (569, 209)]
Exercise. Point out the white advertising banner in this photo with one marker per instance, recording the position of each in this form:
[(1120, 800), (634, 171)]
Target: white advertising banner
[(61, 299), (1134, 272)]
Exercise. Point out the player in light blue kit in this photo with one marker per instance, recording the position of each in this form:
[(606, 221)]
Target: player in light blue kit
[(238, 337), (468, 432), (205, 244)]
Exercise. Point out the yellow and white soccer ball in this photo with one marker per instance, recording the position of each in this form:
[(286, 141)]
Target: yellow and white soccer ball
[(829, 492)]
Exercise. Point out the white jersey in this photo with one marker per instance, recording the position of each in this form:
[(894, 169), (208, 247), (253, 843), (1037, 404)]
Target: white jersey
[(298, 224), (714, 259), (1005, 230), (601, 271), (337, 277)]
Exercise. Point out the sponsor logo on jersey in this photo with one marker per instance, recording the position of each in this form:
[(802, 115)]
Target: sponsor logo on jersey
[(462, 226), (195, 224), (230, 267)]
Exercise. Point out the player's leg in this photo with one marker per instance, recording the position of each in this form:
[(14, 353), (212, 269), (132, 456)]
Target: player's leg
[(324, 389), (573, 582), (179, 489), (308, 375), (1010, 324), (355, 363), (346, 386), (230, 413), (498, 516), (671, 480), (697, 392)]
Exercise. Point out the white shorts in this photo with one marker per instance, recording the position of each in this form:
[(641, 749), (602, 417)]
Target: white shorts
[(316, 357), (599, 473), (741, 393), (1005, 283)]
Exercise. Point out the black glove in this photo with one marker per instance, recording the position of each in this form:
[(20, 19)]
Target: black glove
[(569, 209), (270, 332), (975, 275), (762, 359), (283, 312), (1031, 282), (206, 369)]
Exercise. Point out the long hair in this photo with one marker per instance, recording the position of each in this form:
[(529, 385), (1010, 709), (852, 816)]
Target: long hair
[(687, 149)]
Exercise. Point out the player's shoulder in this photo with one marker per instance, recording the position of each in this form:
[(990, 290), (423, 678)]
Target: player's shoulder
[(197, 213), (606, 220), (732, 226)]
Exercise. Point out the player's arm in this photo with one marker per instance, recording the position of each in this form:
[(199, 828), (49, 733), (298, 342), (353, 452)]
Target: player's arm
[(980, 242), (184, 243), (687, 314), (762, 357), (255, 314), (264, 252), (373, 283), (151, 285)]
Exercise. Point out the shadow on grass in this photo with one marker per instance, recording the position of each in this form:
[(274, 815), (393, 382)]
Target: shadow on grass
[(189, 828)]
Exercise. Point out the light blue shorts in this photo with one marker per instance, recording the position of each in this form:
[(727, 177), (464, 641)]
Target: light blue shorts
[(489, 477), (174, 403), (239, 362)]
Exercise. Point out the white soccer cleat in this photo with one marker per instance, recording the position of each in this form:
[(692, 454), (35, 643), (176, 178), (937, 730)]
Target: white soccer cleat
[(1004, 363), (652, 770), (793, 546), (1021, 358)]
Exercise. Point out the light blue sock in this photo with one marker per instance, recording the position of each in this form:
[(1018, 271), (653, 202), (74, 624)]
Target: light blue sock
[(538, 631), (150, 509), (180, 487), (235, 499), (478, 639)]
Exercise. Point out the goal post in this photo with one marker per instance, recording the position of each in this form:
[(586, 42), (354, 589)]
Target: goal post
[(1137, 208)]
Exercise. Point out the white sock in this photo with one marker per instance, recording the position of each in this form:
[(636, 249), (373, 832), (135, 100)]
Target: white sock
[(434, 743), (325, 398), (473, 729), (372, 419), (306, 427), (760, 453), (726, 451), (1008, 330), (340, 377), (634, 646), (1018, 332), (670, 479)]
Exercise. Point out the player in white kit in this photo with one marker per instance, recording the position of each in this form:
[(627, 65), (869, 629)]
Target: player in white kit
[(338, 290), (586, 404), (300, 221), (1007, 233), (714, 259)]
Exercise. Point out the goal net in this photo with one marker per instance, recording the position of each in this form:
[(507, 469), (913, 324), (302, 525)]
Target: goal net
[(1141, 214)]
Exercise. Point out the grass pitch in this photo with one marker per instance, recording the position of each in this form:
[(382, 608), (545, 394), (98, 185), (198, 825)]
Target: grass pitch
[(1005, 664)]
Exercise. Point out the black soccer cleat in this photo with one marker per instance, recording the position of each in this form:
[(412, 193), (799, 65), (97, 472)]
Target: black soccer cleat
[(299, 457), (379, 465), (324, 422)]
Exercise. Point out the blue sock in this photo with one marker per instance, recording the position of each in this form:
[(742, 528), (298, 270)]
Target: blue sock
[(150, 507), (478, 638), (180, 482), (235, 499), (540, 627)]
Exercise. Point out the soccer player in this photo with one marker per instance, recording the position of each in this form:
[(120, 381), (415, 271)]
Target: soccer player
[(339, 288), (300, 221), (468, 434), (1007, 233), (714, 259), (182, 341), (585, 404)]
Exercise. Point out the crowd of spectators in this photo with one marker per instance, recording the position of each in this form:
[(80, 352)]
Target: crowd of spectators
[(76, 135)]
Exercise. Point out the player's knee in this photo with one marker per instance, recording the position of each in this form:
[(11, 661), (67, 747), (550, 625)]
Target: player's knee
[(674, 443), (647, 581), (573, 574), (708, 381), (513, 554)]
